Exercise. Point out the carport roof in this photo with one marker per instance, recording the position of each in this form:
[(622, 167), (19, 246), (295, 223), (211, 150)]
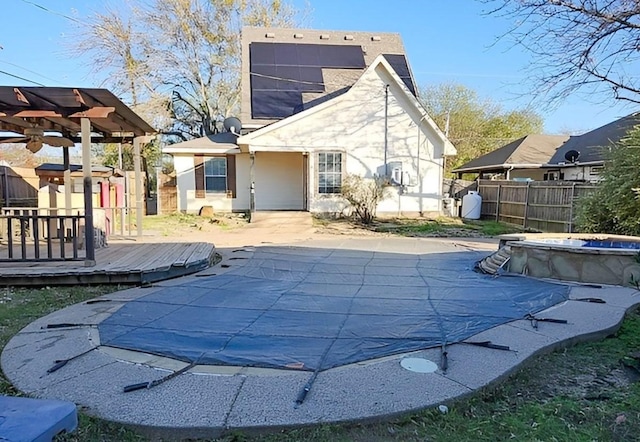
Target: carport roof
[(59, 109)]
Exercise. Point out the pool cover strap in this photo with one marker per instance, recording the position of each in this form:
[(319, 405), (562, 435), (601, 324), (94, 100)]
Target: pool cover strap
[(534, 320), (141, 385), (58, 364), (488, 344)]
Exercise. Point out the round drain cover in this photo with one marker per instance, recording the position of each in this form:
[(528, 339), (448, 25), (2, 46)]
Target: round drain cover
[(419, 365)]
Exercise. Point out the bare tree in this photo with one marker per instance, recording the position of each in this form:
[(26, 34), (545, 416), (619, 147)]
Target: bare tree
[(177, 61), (588, 45)]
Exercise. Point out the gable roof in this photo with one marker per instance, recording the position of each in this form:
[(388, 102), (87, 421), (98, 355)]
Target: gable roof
[(593, 145), (285, 71), (380, 61), (527, 152)]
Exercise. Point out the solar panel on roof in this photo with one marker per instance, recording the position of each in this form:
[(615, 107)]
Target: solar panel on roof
[(333, 56), (399, 64), (282, 69), (274, 104)]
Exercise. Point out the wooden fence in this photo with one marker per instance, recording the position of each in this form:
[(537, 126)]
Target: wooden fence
[(547, 206), (168, 195), (18, 187)]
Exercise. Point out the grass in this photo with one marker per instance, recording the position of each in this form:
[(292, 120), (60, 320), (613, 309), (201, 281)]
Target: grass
[(454, 227), (167, 225), (583, 393), (18, 308)]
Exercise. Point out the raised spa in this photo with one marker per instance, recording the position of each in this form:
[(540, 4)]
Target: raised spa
[(609, 259)]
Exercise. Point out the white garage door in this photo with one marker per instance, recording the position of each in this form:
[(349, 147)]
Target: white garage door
[(279, 181)]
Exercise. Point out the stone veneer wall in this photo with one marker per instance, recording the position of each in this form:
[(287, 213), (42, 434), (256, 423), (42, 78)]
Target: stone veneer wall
[(604, 266)]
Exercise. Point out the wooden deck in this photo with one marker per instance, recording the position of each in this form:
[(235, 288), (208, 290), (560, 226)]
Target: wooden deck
[(119, 263)]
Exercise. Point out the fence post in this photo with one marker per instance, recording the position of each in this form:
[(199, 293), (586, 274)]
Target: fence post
[(571, 202), (498, 203), (526, 206)]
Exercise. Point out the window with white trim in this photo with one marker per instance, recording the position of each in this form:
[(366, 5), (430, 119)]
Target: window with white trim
[(329, 172), (215, 175)]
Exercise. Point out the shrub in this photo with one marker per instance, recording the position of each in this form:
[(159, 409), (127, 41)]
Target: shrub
[(364, 194), (614, 206)]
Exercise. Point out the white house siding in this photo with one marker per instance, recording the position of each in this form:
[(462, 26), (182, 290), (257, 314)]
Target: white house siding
[(355, 125), (186, 184), (279, 181)]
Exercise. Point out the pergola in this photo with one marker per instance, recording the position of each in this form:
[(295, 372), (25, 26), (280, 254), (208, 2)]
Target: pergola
[(85, 116)]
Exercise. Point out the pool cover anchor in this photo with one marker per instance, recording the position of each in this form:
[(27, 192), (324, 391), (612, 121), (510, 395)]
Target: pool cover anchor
[(534, 320), (307, 388), (151, 384), (444, 358)]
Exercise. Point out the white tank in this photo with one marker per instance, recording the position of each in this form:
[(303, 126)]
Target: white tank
[(471, 205)]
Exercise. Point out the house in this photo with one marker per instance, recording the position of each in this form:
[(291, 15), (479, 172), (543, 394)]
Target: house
[(582, 157), (317, 106), (521, 159)]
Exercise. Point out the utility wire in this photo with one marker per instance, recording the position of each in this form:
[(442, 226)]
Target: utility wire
[(21, 78), (52, 12), (30, 71)]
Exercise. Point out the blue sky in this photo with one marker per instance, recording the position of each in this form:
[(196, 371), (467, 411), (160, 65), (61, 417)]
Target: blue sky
[(445, 40)]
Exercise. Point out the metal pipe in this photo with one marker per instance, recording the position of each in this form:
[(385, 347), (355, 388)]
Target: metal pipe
[(386, 129)]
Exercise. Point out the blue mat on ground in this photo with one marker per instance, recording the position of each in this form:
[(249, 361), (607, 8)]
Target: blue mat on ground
[(35, 420), (311, 309)]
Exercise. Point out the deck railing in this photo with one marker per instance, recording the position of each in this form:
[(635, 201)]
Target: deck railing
[(57, 234), (32, 236)]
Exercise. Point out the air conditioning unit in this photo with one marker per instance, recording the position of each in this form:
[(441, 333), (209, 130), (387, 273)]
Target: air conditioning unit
[(400, 177)]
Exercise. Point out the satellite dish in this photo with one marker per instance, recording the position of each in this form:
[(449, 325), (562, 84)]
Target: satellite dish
[(233, 125), (572, 156)]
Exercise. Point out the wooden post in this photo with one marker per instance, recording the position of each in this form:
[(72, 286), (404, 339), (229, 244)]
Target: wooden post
[(526, 205), (498, 203), (67, 180), (87, 185), (138, 180), (571, 202), (158, 190)]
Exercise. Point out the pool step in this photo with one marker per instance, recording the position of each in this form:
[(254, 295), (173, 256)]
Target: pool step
[(495, 262)]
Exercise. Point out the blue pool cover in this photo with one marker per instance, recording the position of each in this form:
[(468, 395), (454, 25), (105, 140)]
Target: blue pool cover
[(315, 309)]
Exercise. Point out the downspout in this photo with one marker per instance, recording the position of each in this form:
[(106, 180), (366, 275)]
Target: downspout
[(386, 129), (509, 173)]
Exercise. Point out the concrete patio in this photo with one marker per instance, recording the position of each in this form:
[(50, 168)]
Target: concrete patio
[(209, 400)]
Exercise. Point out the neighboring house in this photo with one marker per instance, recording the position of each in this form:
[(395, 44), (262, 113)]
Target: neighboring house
[(520, 159), (317, 106), (592, 148)]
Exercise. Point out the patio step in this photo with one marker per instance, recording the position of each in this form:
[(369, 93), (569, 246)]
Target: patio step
[(495, 262)]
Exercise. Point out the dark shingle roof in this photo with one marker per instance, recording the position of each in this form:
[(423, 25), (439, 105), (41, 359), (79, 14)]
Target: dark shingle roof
[(531, 150), (593, 145)]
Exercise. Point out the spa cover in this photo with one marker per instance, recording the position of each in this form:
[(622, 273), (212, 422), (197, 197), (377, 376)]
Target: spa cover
[(314, 309)]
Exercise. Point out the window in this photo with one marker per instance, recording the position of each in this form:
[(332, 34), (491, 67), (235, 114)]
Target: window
[(215, 175), (329, 172)]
